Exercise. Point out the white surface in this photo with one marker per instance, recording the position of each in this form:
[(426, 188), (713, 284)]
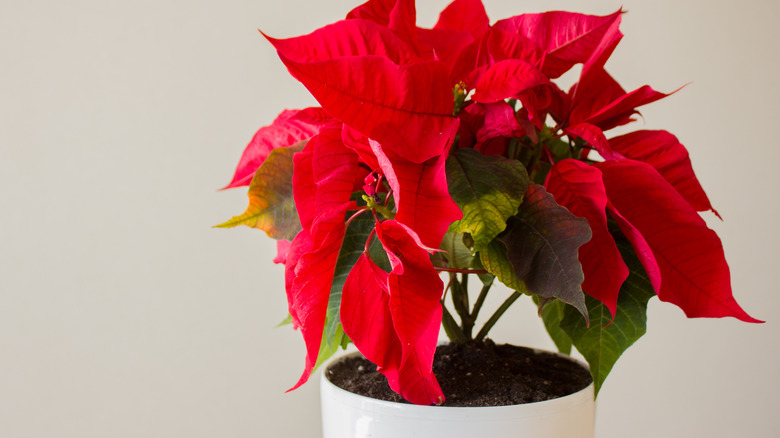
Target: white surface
[(348, 415), (123, 314)]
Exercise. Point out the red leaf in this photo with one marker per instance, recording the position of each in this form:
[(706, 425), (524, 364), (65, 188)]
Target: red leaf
[(593, 135), (641, 248), (394, 318), (282, 248), (664, 152), (500, 121), (504, 42), (415, 293), (312, 277), (578, 187), (415, 287), (599, 100), (507, 79), (365, 314), (421, 195), (450, 47), (468, 15), (325, 174), (377, 11), (566, 38), (285, 131), (345, 38), (690, 256), (383, 100)]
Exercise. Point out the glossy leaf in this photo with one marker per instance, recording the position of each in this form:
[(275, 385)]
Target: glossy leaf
[(271, 204), (542, 243), (488, 190), (690, 256), (607, 337), (578, 187)]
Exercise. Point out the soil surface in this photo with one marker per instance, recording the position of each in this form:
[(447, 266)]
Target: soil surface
[(476, 374)]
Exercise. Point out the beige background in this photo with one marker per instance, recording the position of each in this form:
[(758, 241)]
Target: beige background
[(122, 314)]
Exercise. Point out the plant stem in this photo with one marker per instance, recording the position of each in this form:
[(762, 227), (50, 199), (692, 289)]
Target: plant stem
[(494, 318), (451, 327), (480, 300), (462, 271)]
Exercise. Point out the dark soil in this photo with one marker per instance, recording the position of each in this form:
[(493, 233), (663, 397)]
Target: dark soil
[(475, 374)]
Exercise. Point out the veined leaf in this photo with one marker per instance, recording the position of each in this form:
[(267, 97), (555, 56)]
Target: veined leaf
[(458, 254), (552, 314), (542, 243), (602, 343), (330, 346), (271, 204), (488, 189), (494, 260), (354, 243)]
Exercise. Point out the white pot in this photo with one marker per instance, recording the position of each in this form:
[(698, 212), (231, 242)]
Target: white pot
[(348, 415)]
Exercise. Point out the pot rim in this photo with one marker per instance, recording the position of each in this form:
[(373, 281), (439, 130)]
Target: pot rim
[(585, 395)]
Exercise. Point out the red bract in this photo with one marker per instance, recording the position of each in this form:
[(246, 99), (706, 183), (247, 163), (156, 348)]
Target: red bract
[(694, 273), (394, 317), (290, 127), (377, 188), (563, 39)]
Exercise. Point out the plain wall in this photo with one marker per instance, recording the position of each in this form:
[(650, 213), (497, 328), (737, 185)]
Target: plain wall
[(123, 314)]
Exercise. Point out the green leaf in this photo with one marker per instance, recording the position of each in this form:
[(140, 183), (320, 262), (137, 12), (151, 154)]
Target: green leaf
[(552, 314), (271, 204), (458, 254), (328, 349), (488, 189), (602, 343), (494, 260), (542, 243), (285, 321), (353, 246)]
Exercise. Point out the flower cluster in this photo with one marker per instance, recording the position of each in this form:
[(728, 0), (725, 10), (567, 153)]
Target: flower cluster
[(452, 149)]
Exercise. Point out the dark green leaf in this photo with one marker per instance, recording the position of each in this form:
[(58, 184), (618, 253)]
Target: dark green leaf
[(542, 243), (353, 246), (493, 259), (602, 343), (552, 314), (488, 189)]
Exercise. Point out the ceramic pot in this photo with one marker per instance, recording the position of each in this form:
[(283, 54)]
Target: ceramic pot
[(348, 415)]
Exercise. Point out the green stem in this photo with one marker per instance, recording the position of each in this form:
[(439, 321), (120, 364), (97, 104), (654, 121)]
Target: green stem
[(451, 328), (494, 318), (460, 300), (480, 300)]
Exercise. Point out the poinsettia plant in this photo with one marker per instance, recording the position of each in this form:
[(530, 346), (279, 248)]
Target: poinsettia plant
[(447, 153)]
